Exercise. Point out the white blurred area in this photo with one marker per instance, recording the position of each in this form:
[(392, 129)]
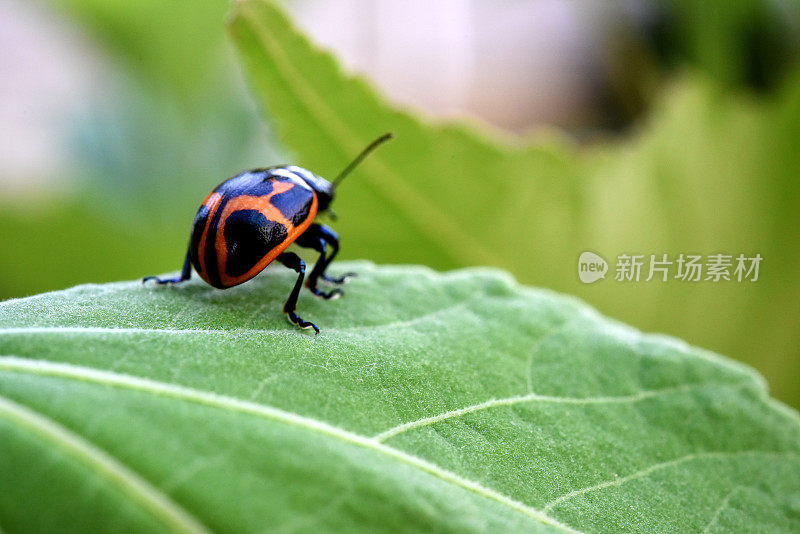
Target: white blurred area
[(514, 63), (47, 73)]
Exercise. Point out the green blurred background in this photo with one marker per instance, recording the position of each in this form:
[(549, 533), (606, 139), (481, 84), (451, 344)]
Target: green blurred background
[(118, 117)]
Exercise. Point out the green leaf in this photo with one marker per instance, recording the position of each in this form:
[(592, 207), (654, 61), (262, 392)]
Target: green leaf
[(68, 243), (447, 402), (170, 118), (174, 46), (711, 170)]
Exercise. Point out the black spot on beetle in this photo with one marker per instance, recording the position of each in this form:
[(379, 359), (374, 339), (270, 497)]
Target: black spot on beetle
[(249, 237), (294, 204)]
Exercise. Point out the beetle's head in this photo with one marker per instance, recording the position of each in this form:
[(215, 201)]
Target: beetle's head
[(322, 187)]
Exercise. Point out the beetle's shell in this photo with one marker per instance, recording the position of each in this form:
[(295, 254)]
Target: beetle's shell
[(246, 222)]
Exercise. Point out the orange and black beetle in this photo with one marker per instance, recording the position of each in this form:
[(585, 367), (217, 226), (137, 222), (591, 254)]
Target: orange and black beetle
[(248, 221)]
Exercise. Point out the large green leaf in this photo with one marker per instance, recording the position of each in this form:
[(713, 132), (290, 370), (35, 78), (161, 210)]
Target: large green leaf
[(450, 402), (711, 171)]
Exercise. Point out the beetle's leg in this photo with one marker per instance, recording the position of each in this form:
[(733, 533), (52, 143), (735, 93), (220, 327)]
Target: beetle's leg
[(293, 261), (325, 235), (312, 239), (186, 273), (332, 239)]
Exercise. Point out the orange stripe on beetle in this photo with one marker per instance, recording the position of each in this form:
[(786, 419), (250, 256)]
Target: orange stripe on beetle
[(263, 205), (212, 203)]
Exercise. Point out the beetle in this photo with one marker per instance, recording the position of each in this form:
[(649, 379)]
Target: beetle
[(248, 221)]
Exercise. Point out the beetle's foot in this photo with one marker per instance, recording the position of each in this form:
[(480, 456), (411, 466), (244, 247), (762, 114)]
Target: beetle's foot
[(326, 295), (339, 279), (162, 281), (295, 320)]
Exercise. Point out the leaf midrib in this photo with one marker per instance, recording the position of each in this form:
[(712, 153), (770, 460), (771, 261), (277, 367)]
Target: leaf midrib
[(91, 375), (207, 398)]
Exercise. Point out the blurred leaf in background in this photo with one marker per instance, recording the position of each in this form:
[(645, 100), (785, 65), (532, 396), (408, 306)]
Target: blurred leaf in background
[(167, 120), (707, 99), (713, 169)]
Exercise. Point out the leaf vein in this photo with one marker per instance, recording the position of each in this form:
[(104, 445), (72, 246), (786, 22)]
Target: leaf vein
[(207, 398), (134, 330), (665, 465), (719, 510), (105, 465), (532, 397)]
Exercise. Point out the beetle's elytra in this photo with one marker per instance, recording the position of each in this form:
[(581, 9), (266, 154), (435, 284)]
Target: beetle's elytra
[(249, 220)]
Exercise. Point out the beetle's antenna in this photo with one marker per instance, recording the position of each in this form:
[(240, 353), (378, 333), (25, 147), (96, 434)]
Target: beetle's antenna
[(360, 157)]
